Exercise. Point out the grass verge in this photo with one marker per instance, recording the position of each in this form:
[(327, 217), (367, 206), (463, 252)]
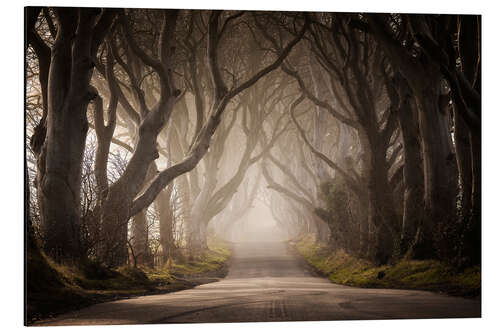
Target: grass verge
[(430, 275), (52, 289)]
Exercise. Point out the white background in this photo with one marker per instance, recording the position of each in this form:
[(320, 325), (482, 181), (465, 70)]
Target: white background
[(12, 148)]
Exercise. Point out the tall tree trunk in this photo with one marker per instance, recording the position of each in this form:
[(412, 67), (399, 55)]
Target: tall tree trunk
[(472, 239), (413, 203), (199, 211), (470, 56), (67, 96), (164, 209), (475, 139), (60, 160), (321, 228), (140, 239), (364, 226), (440, 173), (115, 214), (383, 215), (186, 199), (195, 237), (196, 234), (464, 162)]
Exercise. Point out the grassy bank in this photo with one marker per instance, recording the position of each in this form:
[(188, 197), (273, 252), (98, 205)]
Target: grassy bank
[(54, 289), (431, 275)]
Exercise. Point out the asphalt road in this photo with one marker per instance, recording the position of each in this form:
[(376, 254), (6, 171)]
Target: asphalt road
[(265, 283)]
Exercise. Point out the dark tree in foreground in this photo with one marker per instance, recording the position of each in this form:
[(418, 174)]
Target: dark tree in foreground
[(60, 140)]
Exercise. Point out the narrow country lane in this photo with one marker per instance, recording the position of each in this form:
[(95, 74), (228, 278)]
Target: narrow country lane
[(266, 283)]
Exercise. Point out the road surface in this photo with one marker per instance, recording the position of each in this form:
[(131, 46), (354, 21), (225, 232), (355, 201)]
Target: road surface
[(266, 283)]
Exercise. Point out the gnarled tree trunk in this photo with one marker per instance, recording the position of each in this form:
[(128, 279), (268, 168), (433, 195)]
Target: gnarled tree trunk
[(61, 156), (440, 177), (413, 201)]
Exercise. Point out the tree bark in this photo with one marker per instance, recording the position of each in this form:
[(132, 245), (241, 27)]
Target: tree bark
[(140, 239), (413, 202), (473, 229), (440, 186), (61, 156), (440, 177), (164, 209), (464, 161), (383, 215)]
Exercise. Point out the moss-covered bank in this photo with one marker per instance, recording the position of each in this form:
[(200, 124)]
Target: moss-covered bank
[(431, 275), (53, 289)]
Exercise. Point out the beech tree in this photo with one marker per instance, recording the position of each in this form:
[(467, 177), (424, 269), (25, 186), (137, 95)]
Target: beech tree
[(59, 140)]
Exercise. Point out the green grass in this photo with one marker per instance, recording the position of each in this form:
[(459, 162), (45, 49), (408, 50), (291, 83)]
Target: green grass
[(431, 275), (53, 289), (213, 260)]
